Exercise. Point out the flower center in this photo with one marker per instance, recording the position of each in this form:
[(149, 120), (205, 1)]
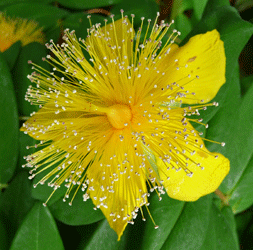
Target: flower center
[(119, 115)]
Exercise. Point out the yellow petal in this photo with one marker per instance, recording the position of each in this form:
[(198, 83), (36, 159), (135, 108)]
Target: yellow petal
[(198, 66), (49, 124), (119, 184), (13, 30), (45, 117), (205, 179)]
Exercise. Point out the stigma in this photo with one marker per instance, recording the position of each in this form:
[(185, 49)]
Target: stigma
[(119, 115)]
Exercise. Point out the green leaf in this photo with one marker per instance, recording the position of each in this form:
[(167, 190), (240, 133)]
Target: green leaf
[(185, 23), (80, 23), (246, 82), (223, 118), (33, 52), (43, 192), (230, 26), (236, 130), (85, 232), (210, 242), (242, 220), (199, 7), (80, 213), (11, 54), (190, 229), (16, 202), (165, 214), (140, 8), (47, 16), (87, 4), (103, 238), (230, 219), (221, 231), (24, 141), (241, 197), (9, 124), (3, 238), (8, 2), (54, 32), (235, 119), (213, 5), (179, 6), (38, 231)]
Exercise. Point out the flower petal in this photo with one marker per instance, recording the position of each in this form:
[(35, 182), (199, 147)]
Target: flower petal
[(118, 182), (203, 182), (198, 66), (206, 170), (42, 125), (13, 30)]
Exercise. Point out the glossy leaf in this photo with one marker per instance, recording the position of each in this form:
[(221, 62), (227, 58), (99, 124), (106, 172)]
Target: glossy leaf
[(3, 236), (199, 7), (246, 82), (43, 192), (16, 203), (140, 8), (186, 14), (9, 124), (11, 54), (24, 141), (241, 196), (87, 4), (84, 233), (230, 219), (103, 238), (179, 6), (221, 236), (47, 16), (38, 231), (214, 5), (183, 24), (8, 2), (54, 33), (239, 147), (80, 23), (243, 220), (190, 229), (80, 213), (33, 52), (224, 116), (165, 214)]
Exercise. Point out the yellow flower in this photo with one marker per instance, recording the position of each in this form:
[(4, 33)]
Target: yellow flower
[(13, 30), (114, 124)]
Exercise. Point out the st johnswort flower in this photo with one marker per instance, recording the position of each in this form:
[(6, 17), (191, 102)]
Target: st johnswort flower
[(18, 29), (115, 123)]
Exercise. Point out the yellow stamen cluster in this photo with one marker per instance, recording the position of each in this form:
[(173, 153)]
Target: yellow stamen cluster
[(114, 123), (13, 30)]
